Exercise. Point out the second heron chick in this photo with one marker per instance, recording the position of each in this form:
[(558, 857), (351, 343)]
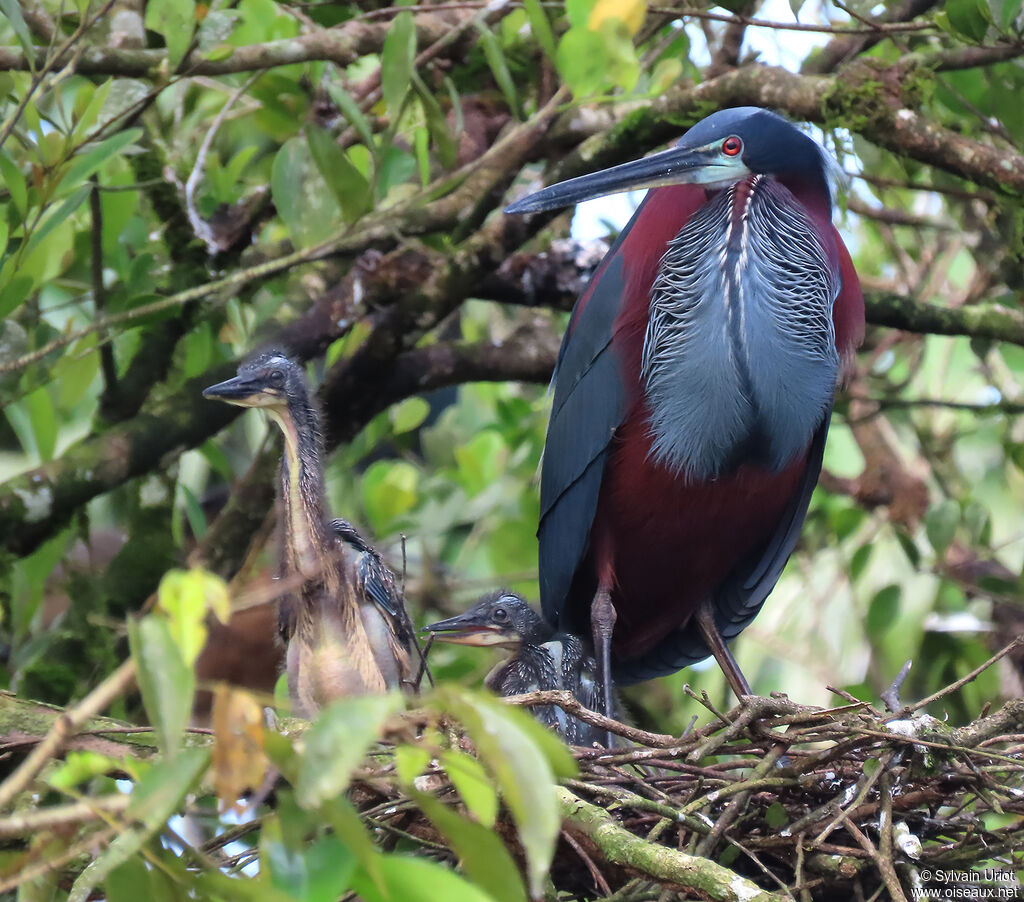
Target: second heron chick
[(340, 641), (541, 659)]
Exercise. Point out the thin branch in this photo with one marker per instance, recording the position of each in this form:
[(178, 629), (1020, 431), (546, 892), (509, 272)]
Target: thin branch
[(845, 47), (970, 677), (60, 816), (342, 45), (199, 225)]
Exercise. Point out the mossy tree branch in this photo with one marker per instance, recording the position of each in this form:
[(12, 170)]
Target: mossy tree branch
[(668, 866)]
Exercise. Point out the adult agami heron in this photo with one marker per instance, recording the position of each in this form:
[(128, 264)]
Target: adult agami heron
[(693, 393), (340, 641)]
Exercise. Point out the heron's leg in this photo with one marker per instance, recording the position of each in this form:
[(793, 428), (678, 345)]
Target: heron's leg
[(705, 620), (602, 623)]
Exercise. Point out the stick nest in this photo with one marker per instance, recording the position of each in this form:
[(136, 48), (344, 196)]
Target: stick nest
[(806, 803)]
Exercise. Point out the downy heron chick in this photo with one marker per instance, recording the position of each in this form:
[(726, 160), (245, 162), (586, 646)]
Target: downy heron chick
[(340, 642), (540, 659), (377, 581)]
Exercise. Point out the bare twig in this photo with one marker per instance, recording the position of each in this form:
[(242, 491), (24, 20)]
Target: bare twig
[(970, 677)]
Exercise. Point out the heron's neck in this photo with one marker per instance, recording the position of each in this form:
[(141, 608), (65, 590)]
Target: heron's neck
[(302, 490)]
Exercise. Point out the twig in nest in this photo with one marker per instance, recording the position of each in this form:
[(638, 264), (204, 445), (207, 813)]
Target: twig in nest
[(595, 873), (884, 865), (571, 705)]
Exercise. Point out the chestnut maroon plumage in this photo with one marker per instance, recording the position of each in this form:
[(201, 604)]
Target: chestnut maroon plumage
[(693, 394)]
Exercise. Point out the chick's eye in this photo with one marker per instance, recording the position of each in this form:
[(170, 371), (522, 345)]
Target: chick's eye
[(732, 146), (500, 614), (276, 377)]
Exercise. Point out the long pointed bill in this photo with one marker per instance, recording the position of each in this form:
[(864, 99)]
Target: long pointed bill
[(678, 166), (243, 392), (463, 630)]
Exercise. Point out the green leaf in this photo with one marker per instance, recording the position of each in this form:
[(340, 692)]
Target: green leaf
[(582, 60), (495, 57), (481, 852), (346, 823), (481, 461), (776, 815), (860, 560), (421, 144), (14, 182), (350, 110), (390, 489), (88, 116), (11, 10), (473, 785), (408, 415), (29, 576), (79, 767), (578, 12), (910, 549), (1011, 13), (187, 596), (524, 773), (437, 123), (55, 217), (415, 880), (940, 524), (128, 882), (623, 64), (395, 167), (337, 742), (93, 155), (410, 762), (540, 26), (882, 611), (969, 18), (43, 420), (75, 371), (667, 72), (165, 682), (154, 799), (349, 186), (303, 200), (398, 58), (14, 293), (175, 20), (977, 522), (318, 872)]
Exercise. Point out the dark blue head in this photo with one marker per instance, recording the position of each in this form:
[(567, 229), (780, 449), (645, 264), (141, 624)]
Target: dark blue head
[(717, 152), (502, 618)]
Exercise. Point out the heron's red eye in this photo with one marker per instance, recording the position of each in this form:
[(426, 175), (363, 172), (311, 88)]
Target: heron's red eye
[(732, 146)]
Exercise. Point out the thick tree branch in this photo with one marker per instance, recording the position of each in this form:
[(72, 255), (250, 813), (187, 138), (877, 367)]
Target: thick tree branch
[(342, 45), (868, 98), (668, 866), (993, 321)]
